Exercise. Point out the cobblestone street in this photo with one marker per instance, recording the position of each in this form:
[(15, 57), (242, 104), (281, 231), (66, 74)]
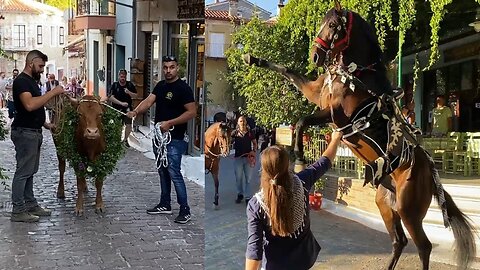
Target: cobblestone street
[(346, 244), (124, 237)]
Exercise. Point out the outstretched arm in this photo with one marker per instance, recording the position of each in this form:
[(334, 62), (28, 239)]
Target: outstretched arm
[(313, 172)]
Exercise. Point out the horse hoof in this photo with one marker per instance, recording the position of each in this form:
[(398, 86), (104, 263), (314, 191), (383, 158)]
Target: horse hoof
[(99, 210), (61, 195), (215, 207), (249, 60)]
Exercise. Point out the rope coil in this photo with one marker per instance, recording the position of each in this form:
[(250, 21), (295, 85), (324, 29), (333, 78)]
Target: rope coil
[(160, 141)]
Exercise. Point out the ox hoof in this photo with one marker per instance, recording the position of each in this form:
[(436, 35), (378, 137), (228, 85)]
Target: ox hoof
[(78, 212)]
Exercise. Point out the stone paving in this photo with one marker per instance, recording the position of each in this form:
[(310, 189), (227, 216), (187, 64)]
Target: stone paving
[(124, 237)]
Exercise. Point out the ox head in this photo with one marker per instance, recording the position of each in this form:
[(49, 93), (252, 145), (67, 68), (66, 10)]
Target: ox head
[(90, 112)]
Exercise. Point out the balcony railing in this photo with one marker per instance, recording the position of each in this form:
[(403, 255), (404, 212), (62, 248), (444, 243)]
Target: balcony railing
[(95, 7)]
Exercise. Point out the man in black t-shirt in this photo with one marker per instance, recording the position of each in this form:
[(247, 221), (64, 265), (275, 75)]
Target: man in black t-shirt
[(175, 106), (121, 94), (27, 136)]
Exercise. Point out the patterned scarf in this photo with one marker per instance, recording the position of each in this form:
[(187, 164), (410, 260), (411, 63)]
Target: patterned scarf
[(299, 206)]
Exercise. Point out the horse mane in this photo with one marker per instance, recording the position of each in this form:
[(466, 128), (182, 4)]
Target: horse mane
[(380, 83)]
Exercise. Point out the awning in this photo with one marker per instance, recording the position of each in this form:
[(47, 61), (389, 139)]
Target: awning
[(72, 44)]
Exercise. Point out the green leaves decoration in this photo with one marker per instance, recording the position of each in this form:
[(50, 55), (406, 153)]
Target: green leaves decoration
[(106, 162)]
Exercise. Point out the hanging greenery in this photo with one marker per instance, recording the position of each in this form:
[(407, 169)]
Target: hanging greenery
[(438, 9), (106, 162), (416, 72)]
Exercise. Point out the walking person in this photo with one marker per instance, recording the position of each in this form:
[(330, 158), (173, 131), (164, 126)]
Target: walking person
[(27, 136), (175, 106), (9, 94), (51, 83), (279, 235), (121, 94), (245, 146), (3, 94)]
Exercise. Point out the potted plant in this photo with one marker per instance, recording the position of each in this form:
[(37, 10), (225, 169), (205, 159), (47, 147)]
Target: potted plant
[(315, 198)]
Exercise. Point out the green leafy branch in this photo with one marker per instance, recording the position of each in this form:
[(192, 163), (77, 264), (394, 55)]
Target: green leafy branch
[(106, 162)]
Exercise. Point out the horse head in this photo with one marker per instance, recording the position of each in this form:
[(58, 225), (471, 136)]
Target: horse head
[(347, 41), (333, 37), (224, 138)]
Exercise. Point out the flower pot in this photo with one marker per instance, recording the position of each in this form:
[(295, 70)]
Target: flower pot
[(315, 201)]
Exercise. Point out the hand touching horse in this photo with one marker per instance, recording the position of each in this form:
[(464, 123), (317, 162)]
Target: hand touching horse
[(355, 93), (217, 144)]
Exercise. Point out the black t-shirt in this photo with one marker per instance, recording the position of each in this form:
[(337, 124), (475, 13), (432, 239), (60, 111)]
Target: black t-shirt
[(118, 91), (170, 103), (24, 118), (242, 143)]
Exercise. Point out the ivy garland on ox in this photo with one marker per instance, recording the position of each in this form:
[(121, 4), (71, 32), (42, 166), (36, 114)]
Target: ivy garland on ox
[(106, 162)]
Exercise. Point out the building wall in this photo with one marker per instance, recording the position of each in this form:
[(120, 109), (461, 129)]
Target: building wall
[(218, 93), (218, 86), (53, 50), (244, 9), (123, 33), (423, 56), (91, 36)]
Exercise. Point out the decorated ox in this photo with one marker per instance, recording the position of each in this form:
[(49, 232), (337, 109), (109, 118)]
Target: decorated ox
[(80, 137)]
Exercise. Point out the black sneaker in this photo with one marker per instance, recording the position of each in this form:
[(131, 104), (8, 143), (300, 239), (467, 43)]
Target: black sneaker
[(239, 198), (246, 200), (126, 143), (159, 209), (182, 218)]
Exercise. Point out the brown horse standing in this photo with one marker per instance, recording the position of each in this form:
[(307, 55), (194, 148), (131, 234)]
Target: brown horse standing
[(353, 85), (217, 144)]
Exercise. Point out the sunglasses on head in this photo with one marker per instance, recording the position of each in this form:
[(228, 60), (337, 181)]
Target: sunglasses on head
[(169, 58)]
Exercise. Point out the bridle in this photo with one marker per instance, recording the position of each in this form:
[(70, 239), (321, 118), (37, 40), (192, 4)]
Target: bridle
[(224, 148), (340, 45)]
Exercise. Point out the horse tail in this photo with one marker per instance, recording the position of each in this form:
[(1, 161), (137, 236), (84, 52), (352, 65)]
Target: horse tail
[(452, 217)]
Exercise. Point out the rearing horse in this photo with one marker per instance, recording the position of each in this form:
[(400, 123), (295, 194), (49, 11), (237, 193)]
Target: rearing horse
[(356, 95), (217, 144)]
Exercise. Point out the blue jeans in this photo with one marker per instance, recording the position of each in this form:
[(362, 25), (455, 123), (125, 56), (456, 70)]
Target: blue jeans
[(243, 171), (175, 150), (27, 147)]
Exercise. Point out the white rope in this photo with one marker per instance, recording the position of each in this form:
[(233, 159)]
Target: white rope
[(118, 111), (160, 141)]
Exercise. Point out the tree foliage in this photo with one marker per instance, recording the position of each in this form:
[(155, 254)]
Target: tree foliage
[(270, 98), (61, 4)]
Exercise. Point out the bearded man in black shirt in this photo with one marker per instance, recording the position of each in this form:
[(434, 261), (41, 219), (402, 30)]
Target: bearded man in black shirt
[(27, 136)]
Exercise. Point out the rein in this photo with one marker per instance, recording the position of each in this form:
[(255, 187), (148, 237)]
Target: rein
[(209, 153)]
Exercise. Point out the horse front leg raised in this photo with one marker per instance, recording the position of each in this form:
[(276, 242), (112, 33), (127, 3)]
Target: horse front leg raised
[(99, 207), (310, 89), (315, 119)]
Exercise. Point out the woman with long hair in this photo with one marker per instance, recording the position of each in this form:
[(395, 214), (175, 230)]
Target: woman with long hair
[(279, 212), (245, 146)]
